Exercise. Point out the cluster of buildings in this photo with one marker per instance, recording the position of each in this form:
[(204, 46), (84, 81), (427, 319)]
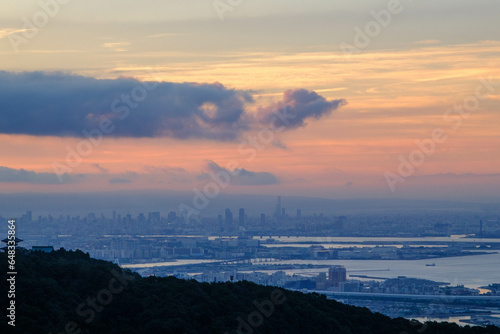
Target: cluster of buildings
[(406, 252), (336, 280), (234, 221), (157, 248)]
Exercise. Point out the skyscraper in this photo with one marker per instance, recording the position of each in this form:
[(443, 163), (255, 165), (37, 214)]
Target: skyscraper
[(241, 216), (277, 211), (228, 219), (29, 216), (154, 216), (336, 275), (172, 216)]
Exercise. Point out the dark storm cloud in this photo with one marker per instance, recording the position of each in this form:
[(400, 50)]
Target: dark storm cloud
[(296, 107), (241, 177), (11, 175), (59, 104)]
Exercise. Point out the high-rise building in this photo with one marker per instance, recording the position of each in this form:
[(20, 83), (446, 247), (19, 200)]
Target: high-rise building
[(336, 275), (29, 216), (172, 216), (262, 218), (277, 212), (321, 283), (241, 216), (228, 219), (154, 216), (299, 213)]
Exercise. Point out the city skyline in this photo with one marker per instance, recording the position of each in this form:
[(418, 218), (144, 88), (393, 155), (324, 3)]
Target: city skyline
[(235, 166)]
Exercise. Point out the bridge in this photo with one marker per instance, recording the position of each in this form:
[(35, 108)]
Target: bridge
[(248, 261)]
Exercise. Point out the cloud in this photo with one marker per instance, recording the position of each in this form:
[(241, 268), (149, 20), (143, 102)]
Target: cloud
[(167, 174), (249, 178), (164, 169), (59, 104), (9, 31), (127, 177), (428, 41), (11, 175), (100, 169), (168, 34), (279, 144), (118, 180), (458, 176), (240, 177), (117, 46), (296, 107)]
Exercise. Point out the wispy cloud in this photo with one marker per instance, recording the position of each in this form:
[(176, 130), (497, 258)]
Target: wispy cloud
[(279, 144), (11, 175), (9, 31), (168, 34), (118, 180), (127, 177), (117, 46), (428, 42), (240, 177), (100, 168), (164, 169)]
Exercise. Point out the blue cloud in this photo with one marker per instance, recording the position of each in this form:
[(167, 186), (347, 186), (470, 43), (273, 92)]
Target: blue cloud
[(59, 104), (11, 175)]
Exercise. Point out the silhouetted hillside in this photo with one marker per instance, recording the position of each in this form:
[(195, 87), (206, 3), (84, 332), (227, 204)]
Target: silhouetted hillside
[(68, 292)]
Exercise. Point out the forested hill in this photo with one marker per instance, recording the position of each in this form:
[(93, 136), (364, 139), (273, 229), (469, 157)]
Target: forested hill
[(69, 292)]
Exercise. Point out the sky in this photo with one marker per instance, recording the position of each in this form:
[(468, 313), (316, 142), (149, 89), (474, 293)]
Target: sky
[(332, 99)]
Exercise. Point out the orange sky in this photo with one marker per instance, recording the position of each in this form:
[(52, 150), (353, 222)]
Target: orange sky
[(396, 95)]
